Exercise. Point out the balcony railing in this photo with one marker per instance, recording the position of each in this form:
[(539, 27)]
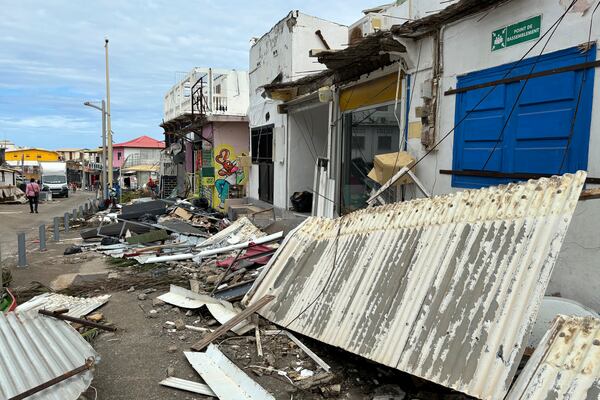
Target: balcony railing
[(205, 91)]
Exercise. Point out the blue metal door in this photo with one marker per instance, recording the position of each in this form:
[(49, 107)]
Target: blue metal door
[(537, 137)]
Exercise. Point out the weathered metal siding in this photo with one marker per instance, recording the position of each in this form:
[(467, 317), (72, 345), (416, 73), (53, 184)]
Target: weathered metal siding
[(35, 349), (566, 364), (77, 306), (444, 288)]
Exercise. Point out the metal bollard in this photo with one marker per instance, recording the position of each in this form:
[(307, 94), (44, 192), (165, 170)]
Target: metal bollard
[(56, 229), (74, 214), (42, 235), (66, 222), (22, 250)]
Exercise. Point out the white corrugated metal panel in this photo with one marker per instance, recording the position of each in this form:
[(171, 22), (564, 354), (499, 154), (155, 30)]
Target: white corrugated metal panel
[(188, 386), (184, 298), (224, 377), (35, 349), (445, 288), (242, 230), (566, 364), (78, 306)]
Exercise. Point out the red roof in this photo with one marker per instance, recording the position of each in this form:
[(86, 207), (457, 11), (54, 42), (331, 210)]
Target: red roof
[(142, 142)]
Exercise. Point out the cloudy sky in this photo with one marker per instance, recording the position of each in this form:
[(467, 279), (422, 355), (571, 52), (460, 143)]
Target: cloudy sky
[(52, 58)]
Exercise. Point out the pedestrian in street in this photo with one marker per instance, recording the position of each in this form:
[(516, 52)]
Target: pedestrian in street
[(32, 191)]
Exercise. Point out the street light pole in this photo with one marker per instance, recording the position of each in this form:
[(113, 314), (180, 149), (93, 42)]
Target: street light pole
[(108, 117), (104, 178)]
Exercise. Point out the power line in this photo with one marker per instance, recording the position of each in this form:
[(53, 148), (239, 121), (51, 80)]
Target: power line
[(469, 112), (583, 80), (521, 91)]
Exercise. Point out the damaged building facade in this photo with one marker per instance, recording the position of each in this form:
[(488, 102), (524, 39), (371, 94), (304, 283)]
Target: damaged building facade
[(206, 131), (285, 147), (480, 93)]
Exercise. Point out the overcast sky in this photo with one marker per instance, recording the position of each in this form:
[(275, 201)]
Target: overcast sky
[(52, 58)]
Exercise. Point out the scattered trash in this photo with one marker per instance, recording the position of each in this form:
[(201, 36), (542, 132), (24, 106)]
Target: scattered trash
[(73, 249)]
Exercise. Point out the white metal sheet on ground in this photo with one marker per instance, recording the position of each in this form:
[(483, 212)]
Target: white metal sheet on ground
[(446, 288), (566, 364), (35, 349), (78, 306), (188, 386), (224, 377), (224, 311), (185, 298)]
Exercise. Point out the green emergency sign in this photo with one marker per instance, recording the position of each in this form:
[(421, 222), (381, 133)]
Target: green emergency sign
[(520, 32)]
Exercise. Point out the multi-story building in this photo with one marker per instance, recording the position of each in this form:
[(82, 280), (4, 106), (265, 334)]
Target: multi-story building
[(206, 131), (136, 160), (478, 93), (286, 144)]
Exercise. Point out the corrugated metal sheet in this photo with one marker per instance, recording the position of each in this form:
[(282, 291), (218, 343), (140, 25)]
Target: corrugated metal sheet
[(445, 288), (35, 349), (224, 377), (78, 306), (566, 365), (189, 386), (185, 298), (243, 230)]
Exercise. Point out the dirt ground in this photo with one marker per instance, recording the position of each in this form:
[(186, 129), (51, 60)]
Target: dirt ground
[(145, 350)]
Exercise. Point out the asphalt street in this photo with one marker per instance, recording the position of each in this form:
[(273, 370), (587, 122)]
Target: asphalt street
[(15, 218)]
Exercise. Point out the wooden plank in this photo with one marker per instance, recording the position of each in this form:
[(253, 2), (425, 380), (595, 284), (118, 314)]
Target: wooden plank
[(208, 339), (590, 194), (553, 71)]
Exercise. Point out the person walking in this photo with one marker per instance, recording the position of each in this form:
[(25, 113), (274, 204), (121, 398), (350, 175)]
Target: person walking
[(32, 191)]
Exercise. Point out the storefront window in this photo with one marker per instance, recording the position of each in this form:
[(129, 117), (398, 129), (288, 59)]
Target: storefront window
[(367, 133)]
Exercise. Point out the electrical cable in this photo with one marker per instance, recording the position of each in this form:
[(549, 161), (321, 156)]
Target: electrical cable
[(583, 80), (435, 146), (516, 102), (333, 269)]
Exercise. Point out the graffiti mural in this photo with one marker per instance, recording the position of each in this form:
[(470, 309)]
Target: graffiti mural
[(228, 174)]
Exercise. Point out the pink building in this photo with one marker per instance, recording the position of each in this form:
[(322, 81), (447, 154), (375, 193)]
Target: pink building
[(141, 148)]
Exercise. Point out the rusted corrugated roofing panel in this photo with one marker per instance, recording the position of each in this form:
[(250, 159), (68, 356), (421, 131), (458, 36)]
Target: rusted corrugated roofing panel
[(445, 288), (35, 349), (566, 364)]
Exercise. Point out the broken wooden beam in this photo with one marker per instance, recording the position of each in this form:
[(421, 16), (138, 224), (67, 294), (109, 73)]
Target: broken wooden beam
[(80, 321), (220, 331)]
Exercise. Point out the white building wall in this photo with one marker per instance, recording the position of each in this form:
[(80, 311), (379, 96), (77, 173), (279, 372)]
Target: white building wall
[(284, 51), (467, 48)]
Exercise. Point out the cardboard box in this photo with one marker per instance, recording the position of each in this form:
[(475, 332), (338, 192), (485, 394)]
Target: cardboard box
[(386, 165)]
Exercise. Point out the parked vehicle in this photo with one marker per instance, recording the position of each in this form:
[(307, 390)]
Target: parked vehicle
[(54, 178)]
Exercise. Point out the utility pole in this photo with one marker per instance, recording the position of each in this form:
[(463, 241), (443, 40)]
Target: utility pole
[(104, 151), (108, 117)]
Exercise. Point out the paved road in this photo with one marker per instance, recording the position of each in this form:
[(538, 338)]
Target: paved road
[(16, 218)]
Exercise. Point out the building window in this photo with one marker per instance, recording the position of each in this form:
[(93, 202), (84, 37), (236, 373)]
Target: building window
[(358, 142), (262, 144), (544, 130), (366, 134), (384, 143), (118, 155)]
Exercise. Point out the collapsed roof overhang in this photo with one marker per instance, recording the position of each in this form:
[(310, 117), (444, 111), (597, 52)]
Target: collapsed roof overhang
[(368, 55), (446, 289), (423, 26)]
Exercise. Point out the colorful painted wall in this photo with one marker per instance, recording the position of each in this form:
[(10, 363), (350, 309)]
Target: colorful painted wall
[(228, 173)]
